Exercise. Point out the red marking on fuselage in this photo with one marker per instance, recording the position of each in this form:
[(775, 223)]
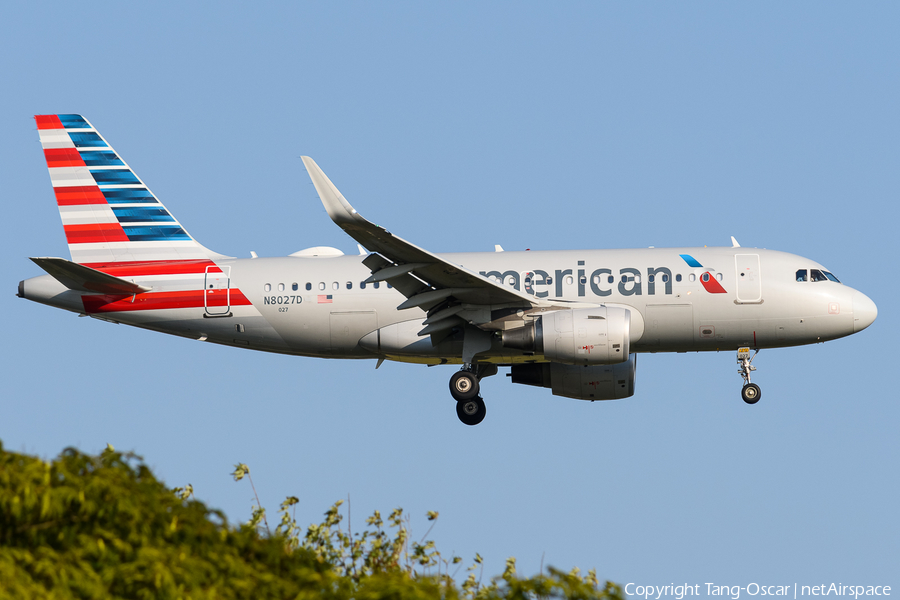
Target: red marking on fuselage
[(712, 285), (104, 303), (155, 267)]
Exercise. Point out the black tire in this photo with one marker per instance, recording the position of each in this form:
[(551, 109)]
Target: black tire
[(471, 412), (463, 386), (751, 393)]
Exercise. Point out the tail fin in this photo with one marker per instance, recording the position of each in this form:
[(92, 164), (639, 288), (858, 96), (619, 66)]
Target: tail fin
[(109, 215)]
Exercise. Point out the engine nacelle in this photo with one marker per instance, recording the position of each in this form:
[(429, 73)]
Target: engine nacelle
[(599, 382), (582, 336)]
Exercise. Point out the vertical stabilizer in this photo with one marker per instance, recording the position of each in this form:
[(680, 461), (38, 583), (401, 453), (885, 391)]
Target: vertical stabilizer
[(108, 214)]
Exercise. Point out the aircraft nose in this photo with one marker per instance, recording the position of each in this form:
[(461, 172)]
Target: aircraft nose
[(864, 311)]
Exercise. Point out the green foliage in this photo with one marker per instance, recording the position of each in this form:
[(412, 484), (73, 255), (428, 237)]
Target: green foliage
[(103, 526), (387, 553)]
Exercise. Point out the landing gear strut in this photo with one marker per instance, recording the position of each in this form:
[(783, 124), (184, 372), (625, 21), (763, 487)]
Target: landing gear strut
[(464, 387), (750, 393)]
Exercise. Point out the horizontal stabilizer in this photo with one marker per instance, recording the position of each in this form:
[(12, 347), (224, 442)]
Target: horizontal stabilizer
[(84, 279)]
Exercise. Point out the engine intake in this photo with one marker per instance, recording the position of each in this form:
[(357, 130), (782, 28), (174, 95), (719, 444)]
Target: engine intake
[(582, 336)]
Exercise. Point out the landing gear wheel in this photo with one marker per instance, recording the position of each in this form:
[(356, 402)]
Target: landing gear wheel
[(471, 412), (751, 393), (463, 386)]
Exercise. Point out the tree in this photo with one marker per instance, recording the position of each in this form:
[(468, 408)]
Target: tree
[(83, 526)]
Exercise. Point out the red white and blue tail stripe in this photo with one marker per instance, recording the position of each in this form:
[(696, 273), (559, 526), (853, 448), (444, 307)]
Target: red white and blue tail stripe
[(108, 214)]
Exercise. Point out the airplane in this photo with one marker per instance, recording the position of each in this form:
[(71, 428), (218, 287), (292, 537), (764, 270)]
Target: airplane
[(572, 321)]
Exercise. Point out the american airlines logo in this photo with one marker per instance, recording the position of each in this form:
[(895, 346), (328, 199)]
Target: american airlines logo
[(602, 282)]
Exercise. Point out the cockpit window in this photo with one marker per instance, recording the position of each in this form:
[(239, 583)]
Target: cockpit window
[(817, 275), (801, 275), (831, 277)]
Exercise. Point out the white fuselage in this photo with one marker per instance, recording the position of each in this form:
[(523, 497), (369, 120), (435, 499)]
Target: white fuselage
[(317, 306)]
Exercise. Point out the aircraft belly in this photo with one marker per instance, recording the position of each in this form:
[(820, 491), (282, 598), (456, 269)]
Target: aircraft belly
[(245, 327), (348, 327), (667, 328), (331, 329)]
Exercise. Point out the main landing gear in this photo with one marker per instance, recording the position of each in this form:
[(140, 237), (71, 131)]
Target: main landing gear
[(750, 392), (471, 412), (464, 387)]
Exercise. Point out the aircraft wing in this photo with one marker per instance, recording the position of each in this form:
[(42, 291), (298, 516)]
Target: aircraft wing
[(426, 279)]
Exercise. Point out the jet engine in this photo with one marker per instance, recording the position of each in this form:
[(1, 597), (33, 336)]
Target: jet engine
[(599, 382), (582, 336)]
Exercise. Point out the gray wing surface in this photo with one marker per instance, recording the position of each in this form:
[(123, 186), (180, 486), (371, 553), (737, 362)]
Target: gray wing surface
[(426, 279)]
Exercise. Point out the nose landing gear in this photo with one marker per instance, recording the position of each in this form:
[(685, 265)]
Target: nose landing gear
[(750, 393), (464, 387)]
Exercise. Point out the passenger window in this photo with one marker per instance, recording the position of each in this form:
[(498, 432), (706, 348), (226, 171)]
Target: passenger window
[(596, 280), (610, 279), (704, 278), (335, 286), (280, 287), (817, 275), (569, 280), (624, 278), (678, 277), (390, 286), (692, 277), (362, 285), (268, 287), (376, 285), (651, 278), (308, 286), (349, 285), (548, 281), (295, 287), (321, 285), (719, 276), (801, 275), (665, 278), (582, 280)]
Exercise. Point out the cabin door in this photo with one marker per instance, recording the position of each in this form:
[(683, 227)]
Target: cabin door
[(749, 284)]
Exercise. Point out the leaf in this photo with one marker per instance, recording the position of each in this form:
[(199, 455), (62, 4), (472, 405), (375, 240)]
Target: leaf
[(240, 470)]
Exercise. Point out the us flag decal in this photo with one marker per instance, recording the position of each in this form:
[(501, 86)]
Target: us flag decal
[(325, 299)]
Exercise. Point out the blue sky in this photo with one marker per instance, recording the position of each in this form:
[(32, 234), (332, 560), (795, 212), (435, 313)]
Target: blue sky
[(460, 126)]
